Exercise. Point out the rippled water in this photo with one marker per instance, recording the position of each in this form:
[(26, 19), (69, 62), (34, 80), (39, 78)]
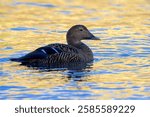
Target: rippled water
[(121, 68)]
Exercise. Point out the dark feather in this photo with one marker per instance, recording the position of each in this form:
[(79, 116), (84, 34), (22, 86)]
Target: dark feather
[(33, 55), (64, 48), (46, 51)]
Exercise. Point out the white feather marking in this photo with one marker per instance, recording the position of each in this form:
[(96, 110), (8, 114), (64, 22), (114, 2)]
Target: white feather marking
[(43, 51), (55, 50)]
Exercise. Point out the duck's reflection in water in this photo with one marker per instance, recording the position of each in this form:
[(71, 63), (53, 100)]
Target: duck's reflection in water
[(79, 75), (71, 71)]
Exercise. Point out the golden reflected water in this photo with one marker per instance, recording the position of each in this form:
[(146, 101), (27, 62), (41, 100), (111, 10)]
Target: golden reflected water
[(122, 25)]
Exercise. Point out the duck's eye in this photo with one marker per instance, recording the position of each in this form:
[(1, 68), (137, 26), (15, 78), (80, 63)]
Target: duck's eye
[(81, 29)]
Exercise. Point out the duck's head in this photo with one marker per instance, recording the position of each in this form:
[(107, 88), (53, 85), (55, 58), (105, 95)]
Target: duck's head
[(77, 33)]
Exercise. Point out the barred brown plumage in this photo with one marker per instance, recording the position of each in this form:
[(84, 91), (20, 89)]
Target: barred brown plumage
[(75, 51)]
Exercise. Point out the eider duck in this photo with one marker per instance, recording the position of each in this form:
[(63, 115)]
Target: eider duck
[(74, 51)]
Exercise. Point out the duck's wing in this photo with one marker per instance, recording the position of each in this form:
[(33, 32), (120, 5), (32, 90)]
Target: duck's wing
[(44, 52), (58, 48)]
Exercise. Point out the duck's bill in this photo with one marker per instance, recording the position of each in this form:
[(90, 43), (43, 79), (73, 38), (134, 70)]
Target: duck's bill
[(91, 37), (95, 38)]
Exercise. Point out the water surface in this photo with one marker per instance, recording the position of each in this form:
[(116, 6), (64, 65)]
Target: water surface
[(121, 68)]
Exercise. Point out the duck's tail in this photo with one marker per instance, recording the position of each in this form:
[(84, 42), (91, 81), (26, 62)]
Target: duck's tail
[(15, 59), (23, 62)]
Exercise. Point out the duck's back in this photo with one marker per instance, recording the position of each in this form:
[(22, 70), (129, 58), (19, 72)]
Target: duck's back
[(53, 53)]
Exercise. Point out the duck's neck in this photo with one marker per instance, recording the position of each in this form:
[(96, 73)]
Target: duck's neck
[(84, 49)]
